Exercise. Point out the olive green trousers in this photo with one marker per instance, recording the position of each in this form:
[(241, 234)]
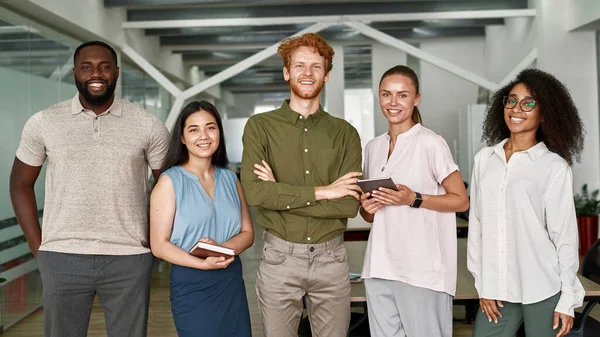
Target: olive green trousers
[(537, 318)]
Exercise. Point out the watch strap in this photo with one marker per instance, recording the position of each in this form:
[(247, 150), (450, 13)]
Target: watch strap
[(418, 201)]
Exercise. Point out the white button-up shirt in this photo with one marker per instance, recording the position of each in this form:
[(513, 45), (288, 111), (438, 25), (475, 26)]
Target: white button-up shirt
[(522, 245), (412, 245)]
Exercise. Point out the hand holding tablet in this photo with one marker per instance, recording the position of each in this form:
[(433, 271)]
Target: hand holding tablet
[(369, 185)]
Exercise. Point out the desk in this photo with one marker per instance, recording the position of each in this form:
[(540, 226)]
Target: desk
[(465, 285), (358, 229)]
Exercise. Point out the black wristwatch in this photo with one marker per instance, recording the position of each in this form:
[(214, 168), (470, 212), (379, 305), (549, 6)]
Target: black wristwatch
[(418, 201)]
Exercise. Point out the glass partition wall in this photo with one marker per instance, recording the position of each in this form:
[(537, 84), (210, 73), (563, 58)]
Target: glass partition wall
[(35, 72)]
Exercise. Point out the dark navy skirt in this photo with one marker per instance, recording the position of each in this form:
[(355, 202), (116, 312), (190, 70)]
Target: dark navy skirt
[(210, 303)]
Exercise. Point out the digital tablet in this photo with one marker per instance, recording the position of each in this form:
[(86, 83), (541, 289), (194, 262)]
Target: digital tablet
[(368, 185)]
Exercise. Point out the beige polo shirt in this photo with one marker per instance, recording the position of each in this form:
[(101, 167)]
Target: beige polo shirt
[(96, 180)]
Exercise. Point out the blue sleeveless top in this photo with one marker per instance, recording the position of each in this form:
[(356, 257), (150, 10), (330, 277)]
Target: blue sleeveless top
[(197, 215)]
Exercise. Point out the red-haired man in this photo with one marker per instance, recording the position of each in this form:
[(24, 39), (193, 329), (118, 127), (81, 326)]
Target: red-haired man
[(299, 168)]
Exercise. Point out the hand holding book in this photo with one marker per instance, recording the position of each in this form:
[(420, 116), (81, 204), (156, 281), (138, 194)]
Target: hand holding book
[(207, 247)]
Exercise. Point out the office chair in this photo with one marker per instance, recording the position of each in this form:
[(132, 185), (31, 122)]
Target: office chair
[(584, 325)]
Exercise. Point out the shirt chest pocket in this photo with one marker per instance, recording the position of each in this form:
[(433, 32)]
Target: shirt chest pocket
[(328, 163)]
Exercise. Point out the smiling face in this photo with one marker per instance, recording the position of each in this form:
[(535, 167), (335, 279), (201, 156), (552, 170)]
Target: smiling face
[(517, 120), (307, 73), (95, 75), (201, 134), (398, 98)]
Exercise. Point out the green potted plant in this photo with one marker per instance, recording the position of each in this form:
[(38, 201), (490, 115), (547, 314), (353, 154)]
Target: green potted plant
[(587, 208)]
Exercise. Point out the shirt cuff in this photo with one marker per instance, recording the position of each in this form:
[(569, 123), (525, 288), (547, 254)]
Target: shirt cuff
[(28, 159), (566, 305), (478, 287), (307, 196), (449, 171)]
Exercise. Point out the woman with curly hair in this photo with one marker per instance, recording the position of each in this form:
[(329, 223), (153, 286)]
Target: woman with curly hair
[(522, 246)]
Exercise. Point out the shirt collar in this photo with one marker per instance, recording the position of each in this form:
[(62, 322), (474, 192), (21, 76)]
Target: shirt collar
[(115, 109), (293, 116), (534, 152), (406, 134)]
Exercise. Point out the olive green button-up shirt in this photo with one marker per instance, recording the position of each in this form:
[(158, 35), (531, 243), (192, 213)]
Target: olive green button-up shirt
[(303, 153)]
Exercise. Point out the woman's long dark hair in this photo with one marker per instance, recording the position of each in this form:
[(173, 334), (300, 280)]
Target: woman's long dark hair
[(562, 130), (178, 152), (406, 71)]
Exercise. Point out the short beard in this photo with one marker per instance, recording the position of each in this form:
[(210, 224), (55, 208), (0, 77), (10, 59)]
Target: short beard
[(311, 95), (94, 100)]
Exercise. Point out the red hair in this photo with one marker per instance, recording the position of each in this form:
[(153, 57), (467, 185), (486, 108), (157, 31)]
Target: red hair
[(318, 44)]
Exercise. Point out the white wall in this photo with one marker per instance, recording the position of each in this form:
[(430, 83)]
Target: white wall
[(505, 46), (359, 112), (571, 57), (234, 129), (583, 14), (334, 88), (23, 96), (161, 107), (383, 58), (245, 103), (442, 93), (244, 106), (470, 125)]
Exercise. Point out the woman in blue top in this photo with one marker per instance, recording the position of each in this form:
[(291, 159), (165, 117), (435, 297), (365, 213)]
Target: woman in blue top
[(197, 198)]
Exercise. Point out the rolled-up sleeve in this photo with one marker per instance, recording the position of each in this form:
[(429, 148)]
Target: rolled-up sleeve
[(32, 149), (440, 157), (158, 144)]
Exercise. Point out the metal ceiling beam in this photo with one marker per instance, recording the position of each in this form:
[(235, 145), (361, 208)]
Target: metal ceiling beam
[(60, 72), (284, 88), (151, 70), (271, 21), (225, 30), (25, 45), (247, 63), (524, 64), (36, 69), (246, 88), (230, 72), (34, 54), (176, 48), (207, 3), (422, 55), (223, 38), (8, 33), (348, 35), (277, 68), (209, 60), (278, 10), (290, 29)]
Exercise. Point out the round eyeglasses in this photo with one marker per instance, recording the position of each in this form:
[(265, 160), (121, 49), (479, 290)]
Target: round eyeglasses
[(526, 104)]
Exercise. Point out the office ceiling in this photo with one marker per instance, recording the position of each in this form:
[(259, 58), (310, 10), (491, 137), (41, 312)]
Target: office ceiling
[(214, 49)]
